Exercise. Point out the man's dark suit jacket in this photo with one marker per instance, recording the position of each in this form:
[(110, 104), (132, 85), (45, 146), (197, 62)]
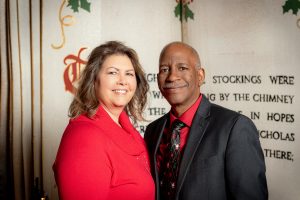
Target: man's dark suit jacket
[(222, 159)]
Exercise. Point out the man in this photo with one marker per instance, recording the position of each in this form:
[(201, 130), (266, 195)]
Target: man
[(214, 153)]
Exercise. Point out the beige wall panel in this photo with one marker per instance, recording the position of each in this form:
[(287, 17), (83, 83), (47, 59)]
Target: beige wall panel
[(146, 26), (255, 38)]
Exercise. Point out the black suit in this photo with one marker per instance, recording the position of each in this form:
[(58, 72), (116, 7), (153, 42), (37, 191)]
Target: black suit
[(222, 159)]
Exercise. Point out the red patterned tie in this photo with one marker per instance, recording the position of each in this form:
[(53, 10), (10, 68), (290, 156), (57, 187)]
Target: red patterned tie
[(170, 164)]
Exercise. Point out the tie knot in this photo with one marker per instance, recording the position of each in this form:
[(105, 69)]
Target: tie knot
[(177, 125)]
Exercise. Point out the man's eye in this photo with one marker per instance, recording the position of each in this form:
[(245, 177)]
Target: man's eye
[(181, 68), (164, 69)]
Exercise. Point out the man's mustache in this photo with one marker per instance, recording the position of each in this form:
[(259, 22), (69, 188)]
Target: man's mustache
[(174, 85)]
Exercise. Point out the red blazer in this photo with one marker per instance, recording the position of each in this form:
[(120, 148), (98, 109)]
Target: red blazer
[(97, 159)]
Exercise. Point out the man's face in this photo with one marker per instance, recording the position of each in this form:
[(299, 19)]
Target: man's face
[(179, 78)]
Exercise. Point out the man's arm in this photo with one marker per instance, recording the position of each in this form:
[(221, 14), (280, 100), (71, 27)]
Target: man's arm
[(245, 166)]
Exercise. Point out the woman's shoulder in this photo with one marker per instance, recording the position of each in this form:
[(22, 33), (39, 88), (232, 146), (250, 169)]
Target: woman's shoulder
[(82, 122), (84, 129)]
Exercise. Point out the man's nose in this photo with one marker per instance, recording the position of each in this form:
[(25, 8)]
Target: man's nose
[(172, 75)]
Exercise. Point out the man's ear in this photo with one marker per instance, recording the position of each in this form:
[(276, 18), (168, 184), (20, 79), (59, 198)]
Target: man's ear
[(201, 76)]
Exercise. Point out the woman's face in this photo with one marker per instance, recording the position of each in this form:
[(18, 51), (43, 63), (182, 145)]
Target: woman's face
[(116, 82)]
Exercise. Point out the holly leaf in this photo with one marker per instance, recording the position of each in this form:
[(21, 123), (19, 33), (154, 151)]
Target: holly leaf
[(293, 5), (84, 4), (75, 4), (178, 11), (188, 13)]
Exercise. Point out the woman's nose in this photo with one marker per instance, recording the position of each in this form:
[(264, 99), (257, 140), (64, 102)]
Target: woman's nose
[(122, 80)]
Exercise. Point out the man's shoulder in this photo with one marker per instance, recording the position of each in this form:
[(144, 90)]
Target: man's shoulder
[(220, 109), (208, 108), (158, 121), (155, 127), (226, 114)]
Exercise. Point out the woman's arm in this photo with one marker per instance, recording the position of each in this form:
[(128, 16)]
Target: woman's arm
[(82, 168)]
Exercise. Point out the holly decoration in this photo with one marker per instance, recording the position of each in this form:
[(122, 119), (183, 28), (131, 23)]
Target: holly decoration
[(293, 5), (187, 14), (75, 4)]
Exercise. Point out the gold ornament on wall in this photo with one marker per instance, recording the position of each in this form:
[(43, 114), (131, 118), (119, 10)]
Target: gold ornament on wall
[(63, 22), (69, 20)]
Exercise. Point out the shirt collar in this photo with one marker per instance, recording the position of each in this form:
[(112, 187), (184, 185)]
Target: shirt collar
[(188, 115)]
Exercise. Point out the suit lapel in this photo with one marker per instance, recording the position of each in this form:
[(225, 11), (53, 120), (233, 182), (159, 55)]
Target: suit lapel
[(159, 129), (196, 133)]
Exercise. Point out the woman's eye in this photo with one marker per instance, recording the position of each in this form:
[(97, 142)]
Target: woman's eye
[(112, 72), (130, 74)]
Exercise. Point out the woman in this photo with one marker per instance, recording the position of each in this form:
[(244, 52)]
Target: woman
[(101, 155)]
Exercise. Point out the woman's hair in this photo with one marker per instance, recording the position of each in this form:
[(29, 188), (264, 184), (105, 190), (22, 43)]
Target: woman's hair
[(85, 100)]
